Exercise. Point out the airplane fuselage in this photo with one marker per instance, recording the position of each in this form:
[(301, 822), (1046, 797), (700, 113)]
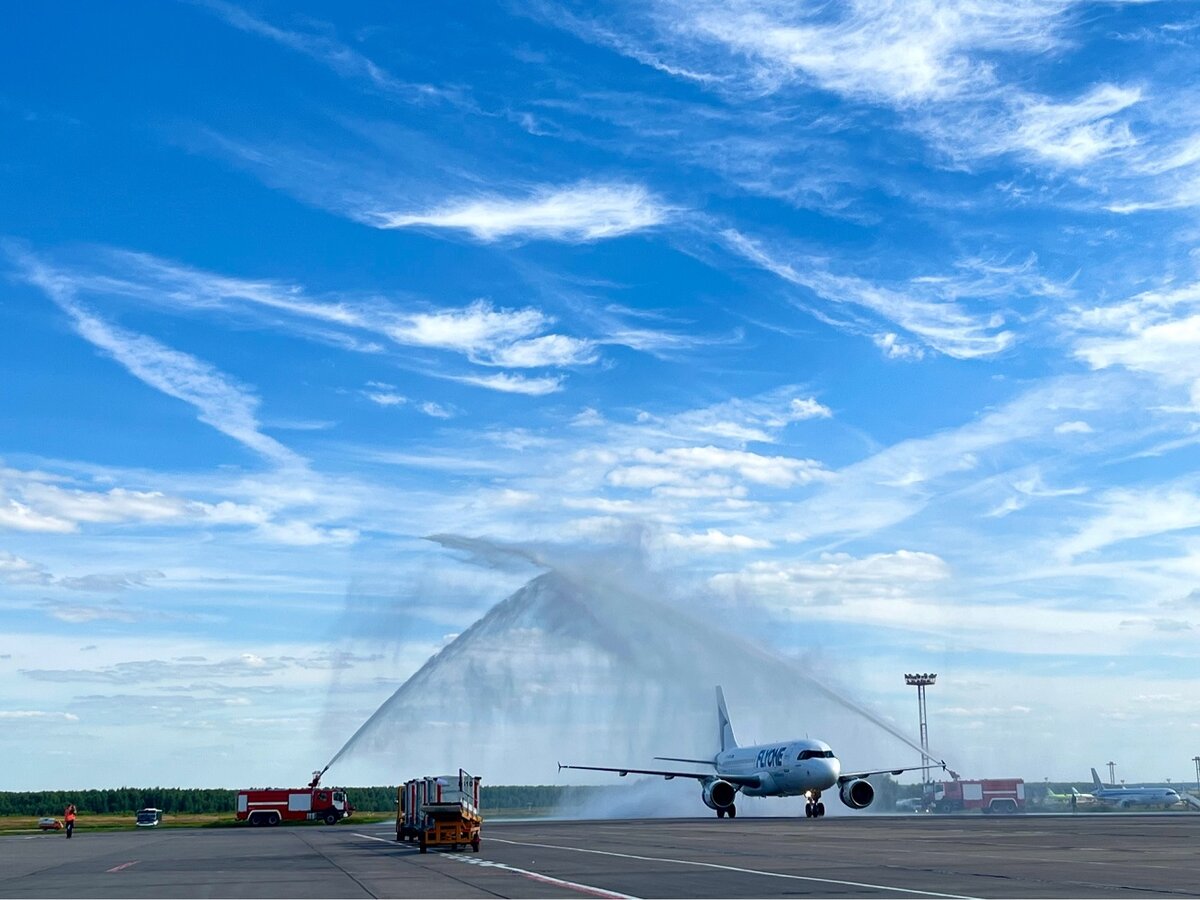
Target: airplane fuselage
[(1126, 797), (785, 769)]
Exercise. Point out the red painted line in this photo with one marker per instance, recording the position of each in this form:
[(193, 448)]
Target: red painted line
[(123, 866)]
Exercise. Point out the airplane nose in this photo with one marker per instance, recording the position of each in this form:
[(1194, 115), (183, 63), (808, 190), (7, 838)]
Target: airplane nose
[(834, 767)]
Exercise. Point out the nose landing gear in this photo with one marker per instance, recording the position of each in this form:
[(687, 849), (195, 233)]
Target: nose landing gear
[(814, 808)]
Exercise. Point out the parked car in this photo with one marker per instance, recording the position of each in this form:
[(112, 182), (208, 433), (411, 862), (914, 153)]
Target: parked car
[(49, 823)]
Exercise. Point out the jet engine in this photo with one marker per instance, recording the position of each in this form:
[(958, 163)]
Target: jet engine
[(857, 794), (718, 794)]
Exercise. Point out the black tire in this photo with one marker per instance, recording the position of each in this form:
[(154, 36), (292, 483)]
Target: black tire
[(475, 845), (808, 810), (720, 813), (273, 818), (819, 810), (255, 819), (331, 819), (732, 811)]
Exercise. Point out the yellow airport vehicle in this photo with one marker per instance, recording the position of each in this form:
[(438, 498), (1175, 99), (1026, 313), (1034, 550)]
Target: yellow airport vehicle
[(440, 811)]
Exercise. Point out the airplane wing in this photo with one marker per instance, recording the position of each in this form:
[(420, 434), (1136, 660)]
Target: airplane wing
[(851, 776), (739, 780)]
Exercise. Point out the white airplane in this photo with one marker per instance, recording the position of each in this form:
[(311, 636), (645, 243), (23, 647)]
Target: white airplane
[(1128, 797), (785, 769)]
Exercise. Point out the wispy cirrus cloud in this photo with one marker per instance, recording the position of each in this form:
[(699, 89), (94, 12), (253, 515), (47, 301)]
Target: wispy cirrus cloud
[(882, 51), (580, 213), (928, 308), (1155, 332), (1069, 134), (484, 333), (939, 66), (1127, 514), (221, 402), (653, 468), (325, 49), (508, 383)]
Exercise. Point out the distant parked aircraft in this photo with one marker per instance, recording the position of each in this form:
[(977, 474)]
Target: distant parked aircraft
[(785, 769), (1129, 797), (1065, 798)]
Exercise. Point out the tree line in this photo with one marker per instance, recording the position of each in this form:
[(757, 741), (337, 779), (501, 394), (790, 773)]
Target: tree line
[(126, 800)]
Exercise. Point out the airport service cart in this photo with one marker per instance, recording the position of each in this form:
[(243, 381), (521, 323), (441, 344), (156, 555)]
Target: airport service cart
[(440, 811)]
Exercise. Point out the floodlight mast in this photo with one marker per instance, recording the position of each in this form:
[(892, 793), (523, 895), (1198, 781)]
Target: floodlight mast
[(921, 682)]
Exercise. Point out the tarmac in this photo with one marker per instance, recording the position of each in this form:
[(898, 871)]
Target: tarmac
[(1098, 855)]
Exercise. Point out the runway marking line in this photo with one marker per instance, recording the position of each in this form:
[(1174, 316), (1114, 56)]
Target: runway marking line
[(122, 866), (526, 873), (704, 865)]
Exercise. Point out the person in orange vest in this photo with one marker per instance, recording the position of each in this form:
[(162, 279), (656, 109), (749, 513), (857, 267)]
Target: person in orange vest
[(69, 815)]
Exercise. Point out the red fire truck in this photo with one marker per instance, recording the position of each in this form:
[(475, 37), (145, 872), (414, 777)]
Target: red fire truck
[(988, 795), (270, 806)]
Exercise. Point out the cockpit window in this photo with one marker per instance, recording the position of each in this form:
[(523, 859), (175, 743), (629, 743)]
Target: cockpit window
[(815, 754)]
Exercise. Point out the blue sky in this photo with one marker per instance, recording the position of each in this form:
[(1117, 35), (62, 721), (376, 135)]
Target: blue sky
[(874, 327)]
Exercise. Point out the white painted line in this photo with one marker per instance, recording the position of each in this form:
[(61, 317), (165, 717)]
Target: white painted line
[(534, 876), (122, 866), (372, 837), (544, 879), (767, 874)]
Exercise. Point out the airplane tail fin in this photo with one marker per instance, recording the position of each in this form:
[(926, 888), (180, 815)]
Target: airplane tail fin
[(728, 741), (1096, 782)]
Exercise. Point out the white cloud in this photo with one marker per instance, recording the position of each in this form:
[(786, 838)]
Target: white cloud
[(436, 410), (297, 533), (1156, 332), (895, 348), (221, 402), (548, 350), (681, 464), (385, 398), (713, 541), (16, 570), (339, 57), (884, 51), (37, 714), (19, 517), (585, 212), (115, 505), (925, 307), (809, 408), (1133, 514), (485, 334), (1072, 134), (1075, 427), (512, 384), (833, 578), (474, 329)]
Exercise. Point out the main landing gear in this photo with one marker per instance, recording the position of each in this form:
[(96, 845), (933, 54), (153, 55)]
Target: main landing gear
[(814, 808), (730, 810)]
